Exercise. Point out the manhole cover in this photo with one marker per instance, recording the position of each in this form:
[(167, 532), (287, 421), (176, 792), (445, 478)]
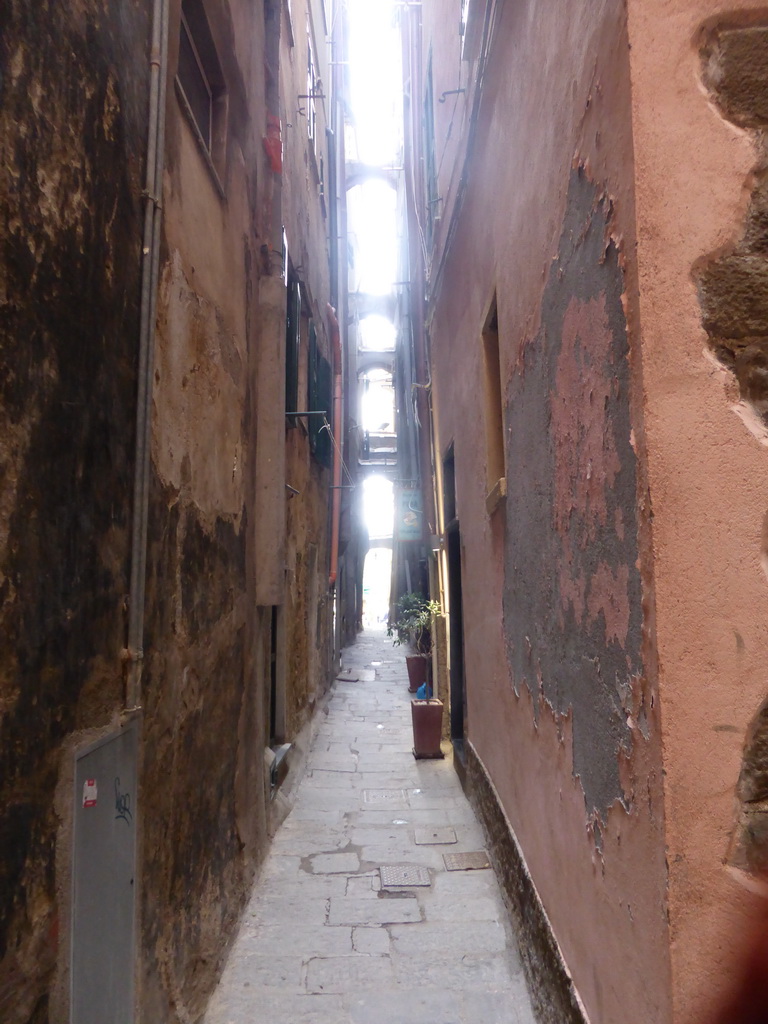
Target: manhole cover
[(397, 875), (383, 796), (466, 861), (434, 836)]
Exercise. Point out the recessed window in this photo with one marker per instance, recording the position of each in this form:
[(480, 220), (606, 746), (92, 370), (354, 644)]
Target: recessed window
[(201, 83), (430, 164), (292, 343), (494, 420), (449, 488), (314, 86), (319, 399)]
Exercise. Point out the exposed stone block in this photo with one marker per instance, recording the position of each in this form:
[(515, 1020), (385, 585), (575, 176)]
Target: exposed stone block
[(736, 70)]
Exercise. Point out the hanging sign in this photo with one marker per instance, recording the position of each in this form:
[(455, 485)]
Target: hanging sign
[(409, 515)]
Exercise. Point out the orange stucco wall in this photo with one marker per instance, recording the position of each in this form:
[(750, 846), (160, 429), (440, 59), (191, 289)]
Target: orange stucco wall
[(707, 479), (556, 115)]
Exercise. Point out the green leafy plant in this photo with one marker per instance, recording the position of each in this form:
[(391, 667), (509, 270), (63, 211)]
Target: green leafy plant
[(412, 621)]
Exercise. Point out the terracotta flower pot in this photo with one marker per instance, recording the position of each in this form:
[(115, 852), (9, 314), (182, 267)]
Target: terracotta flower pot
[(417, 671), (427, 727)]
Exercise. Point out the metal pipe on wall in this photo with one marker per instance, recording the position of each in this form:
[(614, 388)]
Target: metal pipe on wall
[(336, 444), (149, 282)]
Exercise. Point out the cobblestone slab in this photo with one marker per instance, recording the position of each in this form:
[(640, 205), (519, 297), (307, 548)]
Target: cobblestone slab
[(350, 974), (321, 942), (434, 836)]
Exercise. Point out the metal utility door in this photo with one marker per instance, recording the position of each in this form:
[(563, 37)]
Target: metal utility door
[(103, 889)]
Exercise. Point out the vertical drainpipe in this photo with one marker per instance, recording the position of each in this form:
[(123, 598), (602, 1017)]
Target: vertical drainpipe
[(336, 308), (336, 426), (419, 438), (149, 283), (268, 528)]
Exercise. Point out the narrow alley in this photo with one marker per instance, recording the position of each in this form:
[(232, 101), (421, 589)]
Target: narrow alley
[(349, 340), (331, 935)]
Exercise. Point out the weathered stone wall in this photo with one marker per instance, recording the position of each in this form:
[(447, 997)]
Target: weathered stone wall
[(73, 103), (203, 785), (73, 130)]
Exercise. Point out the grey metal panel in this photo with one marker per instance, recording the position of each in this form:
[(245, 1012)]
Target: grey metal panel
[(103, 884)]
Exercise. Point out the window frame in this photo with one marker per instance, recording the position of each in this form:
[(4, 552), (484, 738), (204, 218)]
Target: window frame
[(204, 51)]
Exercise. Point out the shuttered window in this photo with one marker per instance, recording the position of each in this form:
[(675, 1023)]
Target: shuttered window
[(292, 343), (320, 398)]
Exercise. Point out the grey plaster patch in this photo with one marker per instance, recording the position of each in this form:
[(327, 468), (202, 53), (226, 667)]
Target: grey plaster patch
[(475, 861), (434, 836), (397, 875)]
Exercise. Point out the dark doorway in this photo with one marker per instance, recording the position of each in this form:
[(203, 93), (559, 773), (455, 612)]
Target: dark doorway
[(456, 639), (456, 620), (277, 677)]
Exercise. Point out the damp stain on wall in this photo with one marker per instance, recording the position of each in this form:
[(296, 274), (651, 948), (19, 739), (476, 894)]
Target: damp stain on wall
[(73, 100)]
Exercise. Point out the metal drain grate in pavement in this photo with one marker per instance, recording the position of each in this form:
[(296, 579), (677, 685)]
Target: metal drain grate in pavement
[(434, 836), (395, 876), (466, 861)]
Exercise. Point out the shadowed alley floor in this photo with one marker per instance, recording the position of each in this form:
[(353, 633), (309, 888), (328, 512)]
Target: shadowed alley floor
[(321, 941)]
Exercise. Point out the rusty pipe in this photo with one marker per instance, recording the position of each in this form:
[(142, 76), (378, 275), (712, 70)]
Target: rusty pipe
[(149, 285)]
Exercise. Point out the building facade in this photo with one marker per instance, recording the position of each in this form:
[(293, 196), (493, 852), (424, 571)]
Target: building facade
[(586, 189), (173, 318)]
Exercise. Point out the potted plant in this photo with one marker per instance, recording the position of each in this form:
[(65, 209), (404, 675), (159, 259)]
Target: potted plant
[(413, 625)]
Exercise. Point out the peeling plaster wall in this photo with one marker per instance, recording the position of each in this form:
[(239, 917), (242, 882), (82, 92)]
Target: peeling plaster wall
[(706, 463), (572, 597), (562, 704), (73, 99), (208, 677), (203, 787)]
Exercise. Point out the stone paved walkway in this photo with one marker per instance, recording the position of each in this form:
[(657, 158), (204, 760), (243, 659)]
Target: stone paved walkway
[(321, 942)]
